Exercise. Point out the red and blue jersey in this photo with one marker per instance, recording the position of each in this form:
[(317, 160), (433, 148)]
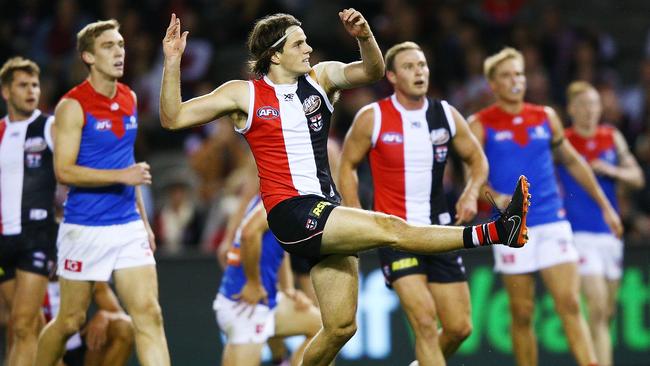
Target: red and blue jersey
[(107, 137), (517, 144), (271, 257), (582, 211)]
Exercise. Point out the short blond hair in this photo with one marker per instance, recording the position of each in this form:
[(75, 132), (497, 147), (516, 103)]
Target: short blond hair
[(490, 64), (17, 64), (393, 51), (576, 88), (86, 37)]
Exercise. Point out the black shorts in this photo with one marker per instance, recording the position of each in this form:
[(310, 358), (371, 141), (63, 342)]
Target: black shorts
[(76, 356), (439, 268), (33, 250), (300, 265), (298, 224)]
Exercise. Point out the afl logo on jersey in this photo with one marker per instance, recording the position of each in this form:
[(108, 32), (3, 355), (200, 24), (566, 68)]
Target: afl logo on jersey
[(35, 144), (439, 136), (392, 138), (311, 104), (267, 112)]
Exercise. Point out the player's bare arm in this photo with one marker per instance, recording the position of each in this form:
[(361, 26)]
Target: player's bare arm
[(230, 97), (356, 146), (69, 123), (627, 171), (476, 127), (250, 253), (338, 75), (580, 170), (469, 149)]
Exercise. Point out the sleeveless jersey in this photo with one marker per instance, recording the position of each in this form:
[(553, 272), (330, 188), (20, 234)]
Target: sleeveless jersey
[(271, 258), (521, 144), (27, 181), (287, 129), (582, 211), (408, 158), (107, 138)]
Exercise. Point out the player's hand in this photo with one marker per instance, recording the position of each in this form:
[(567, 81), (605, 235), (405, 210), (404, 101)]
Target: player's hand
[(251, 294), (466, 208), (355, 23), (174, 42), (602, 167), (613, 221), (137, 174), (96, 330)]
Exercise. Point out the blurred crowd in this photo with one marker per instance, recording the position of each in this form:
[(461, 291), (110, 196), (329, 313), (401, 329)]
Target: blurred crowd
[(199, 173)]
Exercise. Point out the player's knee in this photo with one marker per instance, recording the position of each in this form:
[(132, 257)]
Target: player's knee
[(24, 326), (147, 313), (391, 228), (522, 313), (568, 305), (460, 331), (122, 331), (71, 323), (426, 327), (342, 333)]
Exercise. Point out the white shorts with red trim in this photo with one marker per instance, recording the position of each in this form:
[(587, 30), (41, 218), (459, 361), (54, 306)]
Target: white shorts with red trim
[(601, 254), (548, 245), (244, 324), (92, 253)]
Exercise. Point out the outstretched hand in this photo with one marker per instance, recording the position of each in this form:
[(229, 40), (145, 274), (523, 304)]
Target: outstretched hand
[(174, 42), (355, 23)]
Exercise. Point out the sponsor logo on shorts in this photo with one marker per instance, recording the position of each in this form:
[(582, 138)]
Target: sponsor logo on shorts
[(392, 138), (259, 328), (33, 160), (404, 264), (316, 122), (311, 224), (439, 136), (37, 214), (311, 104), (267, 112), (72, 266), (318, 208), (35, 144), (508, 258), (440, 153), (38, 264)]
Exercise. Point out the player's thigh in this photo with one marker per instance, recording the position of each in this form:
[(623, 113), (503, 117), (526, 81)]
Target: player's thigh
[(521, 295), (562, 281), (289, 321), (137, 287), (351, 230), (242, 354), (336, 282), (7, 290), (453, 304), (594, 288), (29, 294), (612, 292), (415, 297), (75, 298)]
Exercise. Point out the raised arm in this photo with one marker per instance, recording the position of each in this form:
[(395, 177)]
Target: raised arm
[(470, 151), (69, 123), (581, 172), (358, 142), (337, 75), (230, 97)]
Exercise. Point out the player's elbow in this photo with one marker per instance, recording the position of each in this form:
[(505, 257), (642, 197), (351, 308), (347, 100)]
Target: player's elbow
[(63, 174), (377, 71), (167, 122)]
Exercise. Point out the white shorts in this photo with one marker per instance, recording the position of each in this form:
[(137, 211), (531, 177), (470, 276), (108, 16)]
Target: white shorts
[(600, 254), (242, 327), (92, 253), (548, 245)]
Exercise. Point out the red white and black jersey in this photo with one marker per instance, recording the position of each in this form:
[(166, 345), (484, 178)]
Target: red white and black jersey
[(287, 131), (27, 181), (408, 158)]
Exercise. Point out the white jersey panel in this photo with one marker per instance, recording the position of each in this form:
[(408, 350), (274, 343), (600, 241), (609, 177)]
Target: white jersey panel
[(12, 169), (418, 163)]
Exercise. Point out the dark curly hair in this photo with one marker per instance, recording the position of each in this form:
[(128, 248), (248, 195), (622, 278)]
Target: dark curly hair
[(266, 32)]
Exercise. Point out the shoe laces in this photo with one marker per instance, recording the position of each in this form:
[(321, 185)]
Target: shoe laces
[(490, 198)]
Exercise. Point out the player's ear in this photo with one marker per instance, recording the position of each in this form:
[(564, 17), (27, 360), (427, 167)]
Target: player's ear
[(390, 75), (88, 58), (275, 58)]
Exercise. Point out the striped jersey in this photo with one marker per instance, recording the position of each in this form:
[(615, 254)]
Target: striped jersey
[(517, 144), (576, 200), (408, 157), (271, 257), (287, 130), (107, 138), (27, 181)]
